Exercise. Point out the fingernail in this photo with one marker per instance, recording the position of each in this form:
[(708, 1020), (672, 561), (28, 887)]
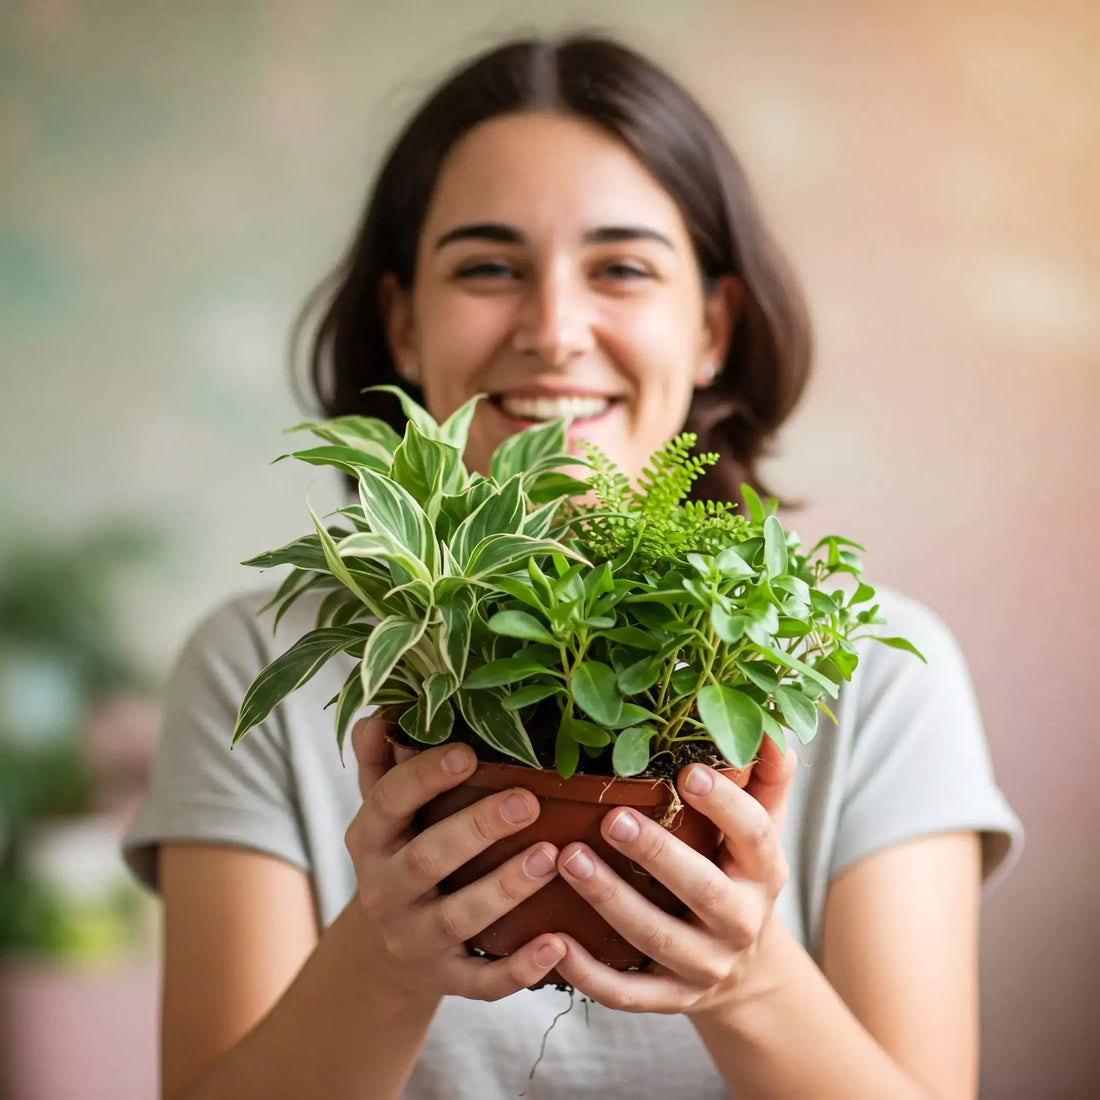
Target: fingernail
[(455, 762), (548, 954), (624, 827), (699, 780), (579, 865), (515, 809), (539, 863)]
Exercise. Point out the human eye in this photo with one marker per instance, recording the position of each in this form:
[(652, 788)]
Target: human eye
[(626, 271), (485, 269)]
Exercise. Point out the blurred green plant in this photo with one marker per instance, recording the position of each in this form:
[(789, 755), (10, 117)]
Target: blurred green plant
[(61, 649)]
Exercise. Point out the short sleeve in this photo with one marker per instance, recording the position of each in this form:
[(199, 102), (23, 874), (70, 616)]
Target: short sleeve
[(919, 761), (201, 789)]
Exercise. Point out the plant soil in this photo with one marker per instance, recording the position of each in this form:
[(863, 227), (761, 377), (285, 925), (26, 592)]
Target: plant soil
[(542, 726)]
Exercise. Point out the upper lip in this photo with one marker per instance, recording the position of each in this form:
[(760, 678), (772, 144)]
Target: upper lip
[(543, 390)]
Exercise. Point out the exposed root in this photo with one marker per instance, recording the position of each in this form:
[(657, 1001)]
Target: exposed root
[(546, 1034), (669, 817)]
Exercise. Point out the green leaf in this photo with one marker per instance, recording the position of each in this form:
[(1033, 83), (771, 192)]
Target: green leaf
[(760, 673), (392, 509), (774, 730), (304, 553), (862, 594), (640, 676), (593, 686), (899, 643), (733, 720), (456, 609), (752, 502), (730, 628), (520, 591), (336, 565), (634, 636), (438, 688), (632, 715), (455, 430), (531, 693), (504, 553), (505, 670), (388, 643), (732, 565), (521, 451), (567, 753), (414, 412), (348, 702), (486, 715), (775, 547), (501, 513), (291, 669), (800, 712), (631, 752), (518, 624), (790, 661), (381, 545), (362, 433), (426, 466), (586, 733), (348, 459)]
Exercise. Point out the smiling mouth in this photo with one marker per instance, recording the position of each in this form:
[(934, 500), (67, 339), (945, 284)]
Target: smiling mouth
[(524, 414)]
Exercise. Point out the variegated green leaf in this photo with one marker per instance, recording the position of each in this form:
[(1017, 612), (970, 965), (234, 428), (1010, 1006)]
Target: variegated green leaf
[(388, 642), (293, 668), (391, 509), (487, 716)]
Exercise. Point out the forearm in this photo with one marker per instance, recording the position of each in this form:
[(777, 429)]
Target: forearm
[(338, 1031), (791, 1035)]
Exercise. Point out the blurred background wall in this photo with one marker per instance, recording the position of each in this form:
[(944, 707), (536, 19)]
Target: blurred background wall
[(174, 178)]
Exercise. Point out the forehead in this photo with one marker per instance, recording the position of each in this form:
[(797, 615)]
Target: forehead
[(547, 174)]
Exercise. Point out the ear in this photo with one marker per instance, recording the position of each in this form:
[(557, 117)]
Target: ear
[(721, 308), (397, 315)]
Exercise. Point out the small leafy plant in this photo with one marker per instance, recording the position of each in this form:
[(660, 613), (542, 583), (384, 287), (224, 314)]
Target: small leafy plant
[(637, 628)]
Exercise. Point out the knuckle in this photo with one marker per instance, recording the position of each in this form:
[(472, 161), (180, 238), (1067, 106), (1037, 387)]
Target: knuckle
[(450, 921), (657, 941), (712, 894), (511, 887), (652, 843), (483, 824), (742, 934), (782, 873), (380, 799), (423, 862), (604, 892), (762, 834)]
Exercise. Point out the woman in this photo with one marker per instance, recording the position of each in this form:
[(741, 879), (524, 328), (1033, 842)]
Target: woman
[(561, 218)]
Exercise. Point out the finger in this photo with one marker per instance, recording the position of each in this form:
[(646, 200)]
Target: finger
[(626, 991), (731, 909), (373, 752), (454, 918), (432, 855), (396, 794), (750, 833), (492, 979), (688, 951), (771, 778)]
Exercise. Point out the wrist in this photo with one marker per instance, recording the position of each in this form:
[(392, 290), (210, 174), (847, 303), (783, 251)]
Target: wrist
[(731, 1009), (380, 973)]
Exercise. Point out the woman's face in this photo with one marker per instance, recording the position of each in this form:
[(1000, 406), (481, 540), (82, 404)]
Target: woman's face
[(551, 260)]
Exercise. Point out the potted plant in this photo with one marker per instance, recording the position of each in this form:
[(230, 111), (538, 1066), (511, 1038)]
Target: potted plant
[(588, 638)]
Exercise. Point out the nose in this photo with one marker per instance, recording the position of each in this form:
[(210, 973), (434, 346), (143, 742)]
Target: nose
[(554, 321)]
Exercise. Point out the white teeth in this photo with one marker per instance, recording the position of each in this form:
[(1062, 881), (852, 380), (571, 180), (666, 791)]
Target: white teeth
[(551, 408)]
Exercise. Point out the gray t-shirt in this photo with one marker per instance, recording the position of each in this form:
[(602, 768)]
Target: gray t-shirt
[(908, 758)]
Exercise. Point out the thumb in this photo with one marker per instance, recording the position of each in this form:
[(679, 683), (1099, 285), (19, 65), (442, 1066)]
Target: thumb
[(770, 781)]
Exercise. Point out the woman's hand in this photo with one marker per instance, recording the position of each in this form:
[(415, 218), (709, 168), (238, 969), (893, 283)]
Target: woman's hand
[(417, 934), (698, 962)]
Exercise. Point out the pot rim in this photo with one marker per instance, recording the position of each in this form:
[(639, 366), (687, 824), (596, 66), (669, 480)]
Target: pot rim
[(581, 787)]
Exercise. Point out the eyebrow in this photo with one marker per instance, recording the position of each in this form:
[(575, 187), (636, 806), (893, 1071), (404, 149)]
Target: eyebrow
[(507, 234)]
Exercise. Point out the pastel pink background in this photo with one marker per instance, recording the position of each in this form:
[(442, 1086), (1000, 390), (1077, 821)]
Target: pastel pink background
[(176, 178)]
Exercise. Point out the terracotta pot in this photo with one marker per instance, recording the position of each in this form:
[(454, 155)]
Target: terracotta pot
[(570, 810)]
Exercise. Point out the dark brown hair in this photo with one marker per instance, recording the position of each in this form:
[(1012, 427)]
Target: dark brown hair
[(592, 77)]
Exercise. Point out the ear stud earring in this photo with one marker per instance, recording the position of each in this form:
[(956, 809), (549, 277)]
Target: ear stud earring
[(411, 373)]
